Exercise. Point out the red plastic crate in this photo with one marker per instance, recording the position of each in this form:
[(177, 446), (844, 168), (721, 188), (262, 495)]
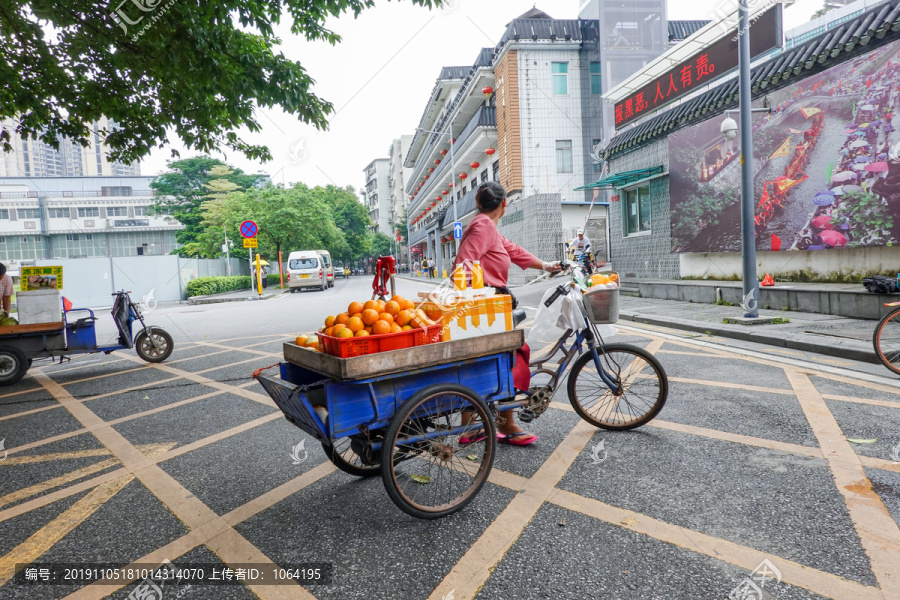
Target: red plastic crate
[(370, 344)]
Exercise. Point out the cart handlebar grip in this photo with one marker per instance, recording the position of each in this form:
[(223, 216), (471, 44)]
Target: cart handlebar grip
[(560, 290)]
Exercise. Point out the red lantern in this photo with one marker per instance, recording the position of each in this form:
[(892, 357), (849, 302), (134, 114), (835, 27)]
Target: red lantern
[(490, 151), (433, 203), (426, 177), (437, 161), (453, 141), (444, 152), (451, 185), (445, 192), (475, 165), (431, 170), (463, 175), (487, 90)]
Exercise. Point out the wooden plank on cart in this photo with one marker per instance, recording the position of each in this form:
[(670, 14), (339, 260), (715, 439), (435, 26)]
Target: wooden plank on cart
[(31, 328), (401, 361)]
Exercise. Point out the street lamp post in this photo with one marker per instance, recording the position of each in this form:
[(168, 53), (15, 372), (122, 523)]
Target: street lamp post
[(748, 233)]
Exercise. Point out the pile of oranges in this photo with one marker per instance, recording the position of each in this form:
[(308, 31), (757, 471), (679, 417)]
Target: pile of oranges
[(376, 317)]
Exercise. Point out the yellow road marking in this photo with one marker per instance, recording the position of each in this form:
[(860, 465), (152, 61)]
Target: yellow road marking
[(472, 570), (792, 573), (51, 533), (24, 460), (877, 530)]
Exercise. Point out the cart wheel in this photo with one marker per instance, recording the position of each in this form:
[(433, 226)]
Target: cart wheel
[(345, 458), (13, 365), (143, 344), (437, 476)]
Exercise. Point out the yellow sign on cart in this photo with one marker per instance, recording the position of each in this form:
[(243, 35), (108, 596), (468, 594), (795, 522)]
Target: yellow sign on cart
[(41, 278), (251, 243)]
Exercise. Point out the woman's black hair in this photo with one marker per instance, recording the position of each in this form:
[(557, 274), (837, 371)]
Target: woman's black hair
[(490, 196)]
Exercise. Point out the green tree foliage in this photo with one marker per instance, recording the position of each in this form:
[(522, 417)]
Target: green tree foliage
[(294, 218), (352, 218), (821, 12), (190, 182), (198, 69), (381, 244)]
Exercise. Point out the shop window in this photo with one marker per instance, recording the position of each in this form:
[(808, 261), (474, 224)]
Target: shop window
[(71, 237), (560, 78), (596, 88), (563, 156), (637, 211)]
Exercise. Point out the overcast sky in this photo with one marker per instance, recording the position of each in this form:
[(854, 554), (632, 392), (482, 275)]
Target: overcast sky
[(380, 76)]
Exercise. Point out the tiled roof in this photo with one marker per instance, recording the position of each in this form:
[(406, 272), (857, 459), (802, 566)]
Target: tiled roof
[(543, 29), (680, 30), (866, 32), (454, 73)]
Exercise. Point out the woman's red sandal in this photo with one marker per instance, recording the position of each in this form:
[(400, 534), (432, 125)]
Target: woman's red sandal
[(508, 438)]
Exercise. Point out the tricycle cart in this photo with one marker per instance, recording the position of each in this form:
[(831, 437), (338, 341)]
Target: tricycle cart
[(423, 417), (21, 344)]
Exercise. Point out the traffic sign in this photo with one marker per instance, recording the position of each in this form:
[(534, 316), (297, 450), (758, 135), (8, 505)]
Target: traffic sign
[(249, 230), (457, 230), (251, 243)]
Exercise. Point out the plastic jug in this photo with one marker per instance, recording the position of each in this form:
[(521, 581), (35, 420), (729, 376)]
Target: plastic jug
[(459, 278), (477, 276)]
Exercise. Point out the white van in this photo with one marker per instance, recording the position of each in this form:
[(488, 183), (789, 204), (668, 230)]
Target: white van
[(329, 266), (306, 269)]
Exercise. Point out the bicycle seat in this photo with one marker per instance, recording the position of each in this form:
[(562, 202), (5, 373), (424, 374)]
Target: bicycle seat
[(518, 316)]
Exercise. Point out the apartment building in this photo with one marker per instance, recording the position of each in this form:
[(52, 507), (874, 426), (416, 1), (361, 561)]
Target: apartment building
[(32, 157), (378, 195), (398, 174)]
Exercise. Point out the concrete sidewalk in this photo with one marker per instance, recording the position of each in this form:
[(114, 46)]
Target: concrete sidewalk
[(809, 332), (237, 296)]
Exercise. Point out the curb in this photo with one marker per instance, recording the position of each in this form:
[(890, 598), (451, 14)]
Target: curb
[(196, 300), (805, 343)]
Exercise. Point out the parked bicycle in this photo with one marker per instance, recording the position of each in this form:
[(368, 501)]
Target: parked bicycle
[(886, 339)]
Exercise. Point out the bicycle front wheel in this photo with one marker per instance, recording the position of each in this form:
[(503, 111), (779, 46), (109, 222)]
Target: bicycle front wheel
[(642, 387), (886, 341)]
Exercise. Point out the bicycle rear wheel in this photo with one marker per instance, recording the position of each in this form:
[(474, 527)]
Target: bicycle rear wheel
[(643, 387), (886, 341)]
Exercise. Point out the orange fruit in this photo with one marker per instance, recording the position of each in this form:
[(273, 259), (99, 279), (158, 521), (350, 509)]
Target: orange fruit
[(345, 332), (380, 304), (329, 320), (410, 305), (381, 327), (323, 330), (355, 308), (355, 324), (386, 317), (392, 308), (403, 317), (336, 329), (399, 300), (362, 333), (370, 304), (328, 331), (301, 340), (312, 343), (406, 327), (395, 328), (342, 319), (369, 315), (368, 329)]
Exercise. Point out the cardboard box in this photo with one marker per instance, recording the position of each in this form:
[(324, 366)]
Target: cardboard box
[(472, 318)]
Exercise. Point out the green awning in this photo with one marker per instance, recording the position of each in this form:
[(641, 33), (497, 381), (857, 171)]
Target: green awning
[(623, 178)]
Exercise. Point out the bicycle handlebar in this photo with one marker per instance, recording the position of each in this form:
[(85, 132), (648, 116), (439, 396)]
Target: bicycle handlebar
[(560, 291)]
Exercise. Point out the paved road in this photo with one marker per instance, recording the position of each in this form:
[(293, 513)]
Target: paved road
[(110, 460)]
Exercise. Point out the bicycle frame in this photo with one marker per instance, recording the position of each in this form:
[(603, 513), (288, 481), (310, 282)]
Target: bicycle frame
[(582, 336)]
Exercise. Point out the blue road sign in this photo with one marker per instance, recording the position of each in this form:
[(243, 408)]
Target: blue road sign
[(249, 229), (457, 230)]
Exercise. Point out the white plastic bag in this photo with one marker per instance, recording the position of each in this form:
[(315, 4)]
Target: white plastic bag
[(566, 313)]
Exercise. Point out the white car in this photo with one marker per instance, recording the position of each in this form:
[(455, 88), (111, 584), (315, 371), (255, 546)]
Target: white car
[(306, 269)]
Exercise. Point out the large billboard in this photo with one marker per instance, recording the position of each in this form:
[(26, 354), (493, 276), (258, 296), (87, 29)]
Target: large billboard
[(826, 163)]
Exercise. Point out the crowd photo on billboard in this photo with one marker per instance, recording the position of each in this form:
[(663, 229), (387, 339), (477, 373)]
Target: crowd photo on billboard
[(826, 163)]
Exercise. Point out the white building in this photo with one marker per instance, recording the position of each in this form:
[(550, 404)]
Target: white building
[(78, 217), (378, 195), (31, 157), (398, 175)]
